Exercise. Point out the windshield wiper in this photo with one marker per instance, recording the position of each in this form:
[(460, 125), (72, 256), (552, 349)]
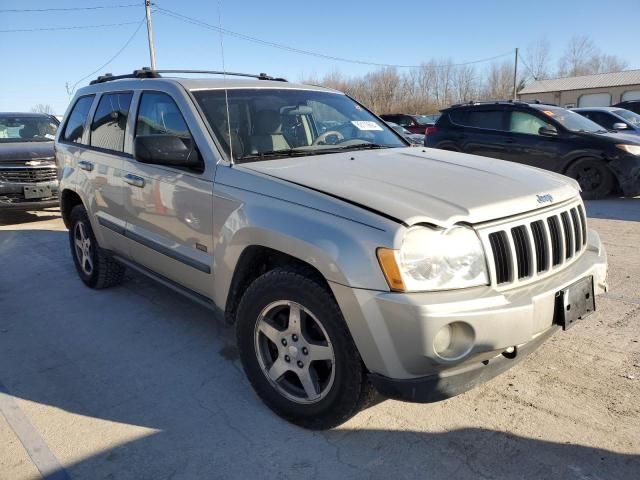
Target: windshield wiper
[(359, 146), (256, 157)]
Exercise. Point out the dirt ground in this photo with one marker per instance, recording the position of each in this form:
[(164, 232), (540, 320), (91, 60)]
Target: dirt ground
[(136, 382)]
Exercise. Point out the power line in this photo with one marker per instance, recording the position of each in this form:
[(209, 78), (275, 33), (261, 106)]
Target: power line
[(126, 44), (75, 27), (70, 9), (200, 23)]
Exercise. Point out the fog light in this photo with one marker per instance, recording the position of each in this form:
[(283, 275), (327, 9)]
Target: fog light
[(443, 339), (454, 341)]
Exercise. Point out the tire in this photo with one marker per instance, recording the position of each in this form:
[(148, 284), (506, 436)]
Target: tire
[(96, 268), (594, 177), (341, 390)]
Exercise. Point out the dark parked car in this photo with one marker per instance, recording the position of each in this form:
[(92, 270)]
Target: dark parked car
[(544, 136), (633, 105), (612, 118), (414, 123), (28, 177), (415, 139)]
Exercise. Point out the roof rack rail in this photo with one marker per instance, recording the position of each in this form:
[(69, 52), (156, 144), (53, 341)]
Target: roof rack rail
[(489, 102), (146, 72)]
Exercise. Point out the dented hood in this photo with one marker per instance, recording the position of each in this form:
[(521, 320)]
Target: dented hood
[(416, 185)]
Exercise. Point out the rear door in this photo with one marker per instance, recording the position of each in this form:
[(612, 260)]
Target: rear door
[(481, 131), (99, 164), (169, 209)]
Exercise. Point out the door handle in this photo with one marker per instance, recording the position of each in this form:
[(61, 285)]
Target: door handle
[(84, 165), (134, 180)]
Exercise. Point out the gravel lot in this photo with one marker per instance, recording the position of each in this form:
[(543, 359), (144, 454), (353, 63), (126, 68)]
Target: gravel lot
[(138, 383)]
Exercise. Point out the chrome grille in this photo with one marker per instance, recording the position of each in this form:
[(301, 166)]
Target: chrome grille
[(27, 174), (523, 250)]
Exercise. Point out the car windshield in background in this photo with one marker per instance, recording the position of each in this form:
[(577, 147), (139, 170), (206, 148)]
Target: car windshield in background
[(277, 123), (629, 116), (427, 119), (570, 120), (26, 129)]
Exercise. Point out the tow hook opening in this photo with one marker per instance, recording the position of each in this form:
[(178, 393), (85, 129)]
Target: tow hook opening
[(511, 352)]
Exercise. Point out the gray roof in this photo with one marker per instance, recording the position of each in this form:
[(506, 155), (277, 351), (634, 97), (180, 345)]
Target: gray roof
[(600, 80)]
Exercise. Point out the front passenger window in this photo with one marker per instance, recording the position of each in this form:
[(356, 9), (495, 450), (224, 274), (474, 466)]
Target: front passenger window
[(522, 122), (158, 114)]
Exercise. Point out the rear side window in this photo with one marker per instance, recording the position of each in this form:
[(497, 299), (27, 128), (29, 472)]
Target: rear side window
[(158, 114), (601, 118), (489, 119), (110, 121), (74, 129)]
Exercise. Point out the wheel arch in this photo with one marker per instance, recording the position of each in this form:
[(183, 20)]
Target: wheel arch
[(68, 200), (256, 260)]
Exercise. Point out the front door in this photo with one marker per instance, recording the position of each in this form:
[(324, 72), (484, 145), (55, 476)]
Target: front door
[(529, 146), (169, 210)]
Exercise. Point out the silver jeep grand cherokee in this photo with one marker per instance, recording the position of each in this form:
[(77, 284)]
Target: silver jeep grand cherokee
[(347, 261)]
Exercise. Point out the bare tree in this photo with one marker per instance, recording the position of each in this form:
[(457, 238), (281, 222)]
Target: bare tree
[(537, 60), (42, 108), (499, 82), (582, 57), (439, 83)]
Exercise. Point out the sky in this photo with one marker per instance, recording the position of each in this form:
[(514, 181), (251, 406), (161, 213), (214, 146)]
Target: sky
[(36, 65)]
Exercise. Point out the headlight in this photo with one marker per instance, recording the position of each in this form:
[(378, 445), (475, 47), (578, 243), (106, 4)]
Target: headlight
[(632, 149), (435, 259)]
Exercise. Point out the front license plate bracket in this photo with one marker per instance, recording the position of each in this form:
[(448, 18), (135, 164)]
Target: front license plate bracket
[(575, 302)]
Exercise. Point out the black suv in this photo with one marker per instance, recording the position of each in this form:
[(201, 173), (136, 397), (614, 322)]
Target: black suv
[(633, 105), (544, 136)]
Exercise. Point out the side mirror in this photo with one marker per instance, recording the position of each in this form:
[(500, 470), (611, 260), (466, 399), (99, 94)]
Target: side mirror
[(548, 131), (619, 126), (167, 150)]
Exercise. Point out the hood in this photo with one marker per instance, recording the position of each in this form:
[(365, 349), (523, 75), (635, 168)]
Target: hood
[(425, 185), (16, 152)]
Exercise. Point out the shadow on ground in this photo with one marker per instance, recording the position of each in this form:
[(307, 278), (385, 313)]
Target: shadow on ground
[(140, 355), (17, 217), (627, 209)]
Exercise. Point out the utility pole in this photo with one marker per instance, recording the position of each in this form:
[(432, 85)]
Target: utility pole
[(515, 77), (152, 53)]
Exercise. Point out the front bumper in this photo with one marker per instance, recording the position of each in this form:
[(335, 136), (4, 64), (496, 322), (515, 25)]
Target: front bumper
[(12, 195), (395, 333), (627, 171)]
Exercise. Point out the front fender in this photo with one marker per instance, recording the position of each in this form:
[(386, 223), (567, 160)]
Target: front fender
[(342, 250)]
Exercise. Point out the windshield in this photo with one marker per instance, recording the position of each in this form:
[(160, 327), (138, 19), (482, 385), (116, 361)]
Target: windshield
[(427, 119), (631, 117), (269, 123), (570, 120), (26, 129)]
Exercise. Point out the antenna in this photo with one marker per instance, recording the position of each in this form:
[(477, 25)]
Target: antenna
[(224, 79)]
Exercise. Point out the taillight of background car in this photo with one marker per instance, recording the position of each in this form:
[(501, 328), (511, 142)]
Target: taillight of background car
[(430, 130)]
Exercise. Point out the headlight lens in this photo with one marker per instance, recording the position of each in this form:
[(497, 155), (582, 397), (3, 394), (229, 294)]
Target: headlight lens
[(435, 259), (632, 149)]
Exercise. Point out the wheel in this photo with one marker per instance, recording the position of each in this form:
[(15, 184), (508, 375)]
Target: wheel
[(96, 268), (594, 177), (297, 352)]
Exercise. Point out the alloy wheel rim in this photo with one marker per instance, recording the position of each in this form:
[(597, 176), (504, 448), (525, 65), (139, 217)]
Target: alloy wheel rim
[(589, 179), (294, 352), (82, 243)]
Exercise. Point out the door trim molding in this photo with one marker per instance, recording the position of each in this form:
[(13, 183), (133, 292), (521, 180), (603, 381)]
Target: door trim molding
[(158, 247)]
